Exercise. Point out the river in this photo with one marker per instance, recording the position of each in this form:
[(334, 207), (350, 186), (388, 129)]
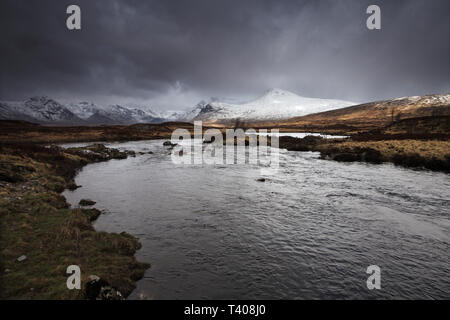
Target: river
[(307, 232)]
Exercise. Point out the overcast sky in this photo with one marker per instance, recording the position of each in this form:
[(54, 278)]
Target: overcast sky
[(171, 54)]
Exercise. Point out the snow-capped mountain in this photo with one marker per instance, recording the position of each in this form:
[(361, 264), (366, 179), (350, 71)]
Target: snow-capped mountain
[(83, 109), (275, 104), (146, 116), (172, 115), (8, 113), (42, 109), (187, 115), (194, 112), (117, 114), (46, 110), (430, 99), (113, 114)]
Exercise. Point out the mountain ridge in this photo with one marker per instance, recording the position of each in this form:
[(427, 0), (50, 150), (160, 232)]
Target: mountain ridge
[(45, 110), (276, 107)]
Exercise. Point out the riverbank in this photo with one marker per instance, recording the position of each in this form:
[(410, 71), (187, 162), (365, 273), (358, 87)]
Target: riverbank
[(411, 153), (40, 235)]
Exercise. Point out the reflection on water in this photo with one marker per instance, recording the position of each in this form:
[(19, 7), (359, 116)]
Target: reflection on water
[(310, 231)]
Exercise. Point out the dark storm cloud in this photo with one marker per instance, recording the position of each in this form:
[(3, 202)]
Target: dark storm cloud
[(170, 52)]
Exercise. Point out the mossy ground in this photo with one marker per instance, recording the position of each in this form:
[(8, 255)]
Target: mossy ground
[(35, 221)]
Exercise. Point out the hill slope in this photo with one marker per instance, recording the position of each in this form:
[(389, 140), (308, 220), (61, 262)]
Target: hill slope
[(372, 115)]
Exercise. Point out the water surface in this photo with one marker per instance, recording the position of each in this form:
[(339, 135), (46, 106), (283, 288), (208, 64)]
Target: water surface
[(309, 231)]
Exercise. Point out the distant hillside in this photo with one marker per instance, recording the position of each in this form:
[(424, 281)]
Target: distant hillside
[(369, 116), (423, 125)]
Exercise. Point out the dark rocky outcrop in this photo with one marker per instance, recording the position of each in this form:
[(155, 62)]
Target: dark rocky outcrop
[(99, 152), (99, 289), (352, 155), (92, 214), (72, 186), (169, 144), (307, 143), (86, 202)]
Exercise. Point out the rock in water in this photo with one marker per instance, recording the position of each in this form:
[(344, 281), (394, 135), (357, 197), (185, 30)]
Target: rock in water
[(86, 202), (73, 186), (99, 289), (169, 144)]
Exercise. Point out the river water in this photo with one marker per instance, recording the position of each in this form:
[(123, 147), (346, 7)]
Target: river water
[(307, 232)]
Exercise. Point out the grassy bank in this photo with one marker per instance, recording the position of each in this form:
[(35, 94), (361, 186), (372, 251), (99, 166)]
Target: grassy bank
[(36, 222), (429, 154)]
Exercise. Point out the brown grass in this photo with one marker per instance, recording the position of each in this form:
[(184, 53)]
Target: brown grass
[(20, 132), (429, 154), (391, 148)]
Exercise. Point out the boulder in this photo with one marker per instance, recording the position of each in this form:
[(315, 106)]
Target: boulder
[(92, 214), (72, 186), (169, 144), (86, 202), (99, 289), (371, 155)]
